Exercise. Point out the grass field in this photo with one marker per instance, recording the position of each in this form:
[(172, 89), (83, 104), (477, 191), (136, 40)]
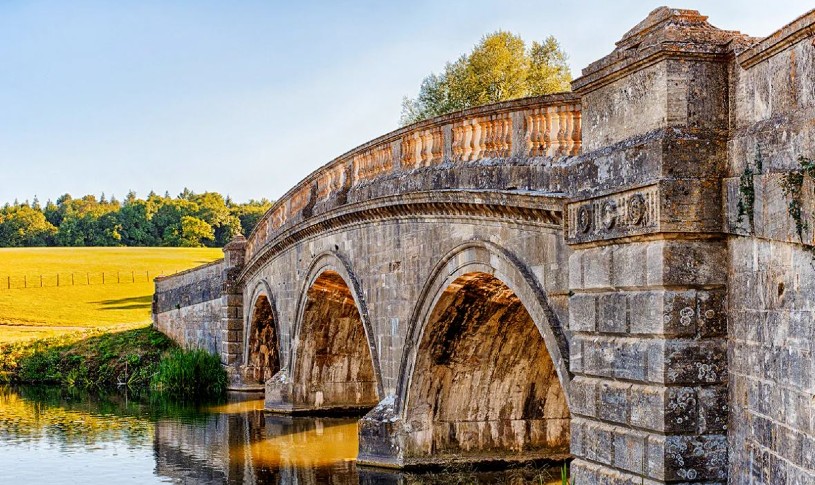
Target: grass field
[(82, 301)]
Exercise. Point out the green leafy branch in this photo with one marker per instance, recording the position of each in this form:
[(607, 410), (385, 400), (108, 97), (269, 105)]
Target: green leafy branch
[(747, 189)]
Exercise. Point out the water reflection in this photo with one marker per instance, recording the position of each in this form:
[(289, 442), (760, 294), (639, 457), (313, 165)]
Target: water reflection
[(62, 437)]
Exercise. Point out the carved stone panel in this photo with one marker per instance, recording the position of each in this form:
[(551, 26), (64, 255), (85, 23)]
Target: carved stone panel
[(623, 214)]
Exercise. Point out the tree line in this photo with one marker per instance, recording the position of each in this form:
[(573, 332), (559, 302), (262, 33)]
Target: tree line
[(189, 220)]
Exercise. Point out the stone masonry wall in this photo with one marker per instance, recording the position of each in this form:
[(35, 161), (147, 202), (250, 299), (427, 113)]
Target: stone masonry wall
[(771, 293), (187, 307)]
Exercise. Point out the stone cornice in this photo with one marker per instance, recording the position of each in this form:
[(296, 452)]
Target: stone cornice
[(792, 33), (527, 207), (608, 74)]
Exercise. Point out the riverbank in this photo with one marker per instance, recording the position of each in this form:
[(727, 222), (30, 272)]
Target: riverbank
[(140, 359)]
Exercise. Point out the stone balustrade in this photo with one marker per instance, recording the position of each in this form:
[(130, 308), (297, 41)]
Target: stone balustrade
[(546, 126)]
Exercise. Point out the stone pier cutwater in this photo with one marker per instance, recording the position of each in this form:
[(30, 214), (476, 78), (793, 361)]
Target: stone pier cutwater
[(610, 275)]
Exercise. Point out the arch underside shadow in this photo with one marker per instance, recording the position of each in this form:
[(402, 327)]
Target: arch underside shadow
[(332, 369), (484, 386)]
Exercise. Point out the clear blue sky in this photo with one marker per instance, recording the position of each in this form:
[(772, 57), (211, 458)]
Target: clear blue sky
[(246, 98)]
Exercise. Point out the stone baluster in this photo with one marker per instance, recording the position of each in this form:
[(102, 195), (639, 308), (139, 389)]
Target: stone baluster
[(455, 144), (530, 134), (553, 123), (427, 153), (486, 138), (507, 138), (576, 132), (565, 135), (545, 127), (478, 140), (467, 141), (438, 145)]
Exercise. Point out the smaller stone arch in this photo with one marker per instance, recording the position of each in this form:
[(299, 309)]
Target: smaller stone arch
[(262, 357), (333, 362)]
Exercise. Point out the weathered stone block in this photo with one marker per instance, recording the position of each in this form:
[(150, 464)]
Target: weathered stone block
[(686, 263), (613, 401), (695, 361), (583, 392), (612, 314), (663, 312), (687, 458), (713, 410), (596, 266), (582, 313)]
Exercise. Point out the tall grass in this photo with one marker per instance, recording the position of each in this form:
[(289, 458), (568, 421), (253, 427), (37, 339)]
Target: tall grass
[(190, 374)]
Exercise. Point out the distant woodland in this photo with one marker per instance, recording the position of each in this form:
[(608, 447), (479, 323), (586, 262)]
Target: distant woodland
[(188, 220)]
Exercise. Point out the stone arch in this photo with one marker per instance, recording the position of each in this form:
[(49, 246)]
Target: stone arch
[(262, 356), (484, 375), (334, 362)]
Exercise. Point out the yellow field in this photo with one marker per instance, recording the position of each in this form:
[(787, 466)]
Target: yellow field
[(82, 300)]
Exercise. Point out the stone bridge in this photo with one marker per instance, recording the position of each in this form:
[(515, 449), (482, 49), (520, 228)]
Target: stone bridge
[(610, 275)]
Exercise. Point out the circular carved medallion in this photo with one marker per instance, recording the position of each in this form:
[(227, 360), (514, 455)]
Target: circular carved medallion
[(608, 214), (584, 218), (636, 209)]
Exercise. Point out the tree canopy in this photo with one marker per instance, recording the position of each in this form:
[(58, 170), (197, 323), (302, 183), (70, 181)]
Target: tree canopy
[(499, 68), (190, 219)]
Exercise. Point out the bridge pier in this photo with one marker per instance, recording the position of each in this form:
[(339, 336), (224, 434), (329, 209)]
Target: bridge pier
[(337, 398), (648, 274)]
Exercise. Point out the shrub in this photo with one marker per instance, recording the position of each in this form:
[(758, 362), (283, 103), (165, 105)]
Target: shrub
[(190, 374)]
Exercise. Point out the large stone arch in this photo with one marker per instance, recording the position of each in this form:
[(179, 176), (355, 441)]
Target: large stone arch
[(489, 258), (262, 344), (525, 365), (333, 363)]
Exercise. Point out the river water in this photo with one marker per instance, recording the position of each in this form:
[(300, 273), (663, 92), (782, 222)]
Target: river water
[(54, 436)]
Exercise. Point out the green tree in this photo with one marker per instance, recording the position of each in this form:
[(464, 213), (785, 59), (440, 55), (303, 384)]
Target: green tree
[(499, 68), (195, 232), (213, 210), (250, 213), (136, 219), (168, 216), (88, 222), (22, 225)]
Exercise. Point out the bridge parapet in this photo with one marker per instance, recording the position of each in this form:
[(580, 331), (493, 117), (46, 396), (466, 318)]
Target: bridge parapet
[(546, 126)]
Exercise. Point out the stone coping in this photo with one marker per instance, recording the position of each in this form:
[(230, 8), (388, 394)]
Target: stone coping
[(792, 33), (203, 267)]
